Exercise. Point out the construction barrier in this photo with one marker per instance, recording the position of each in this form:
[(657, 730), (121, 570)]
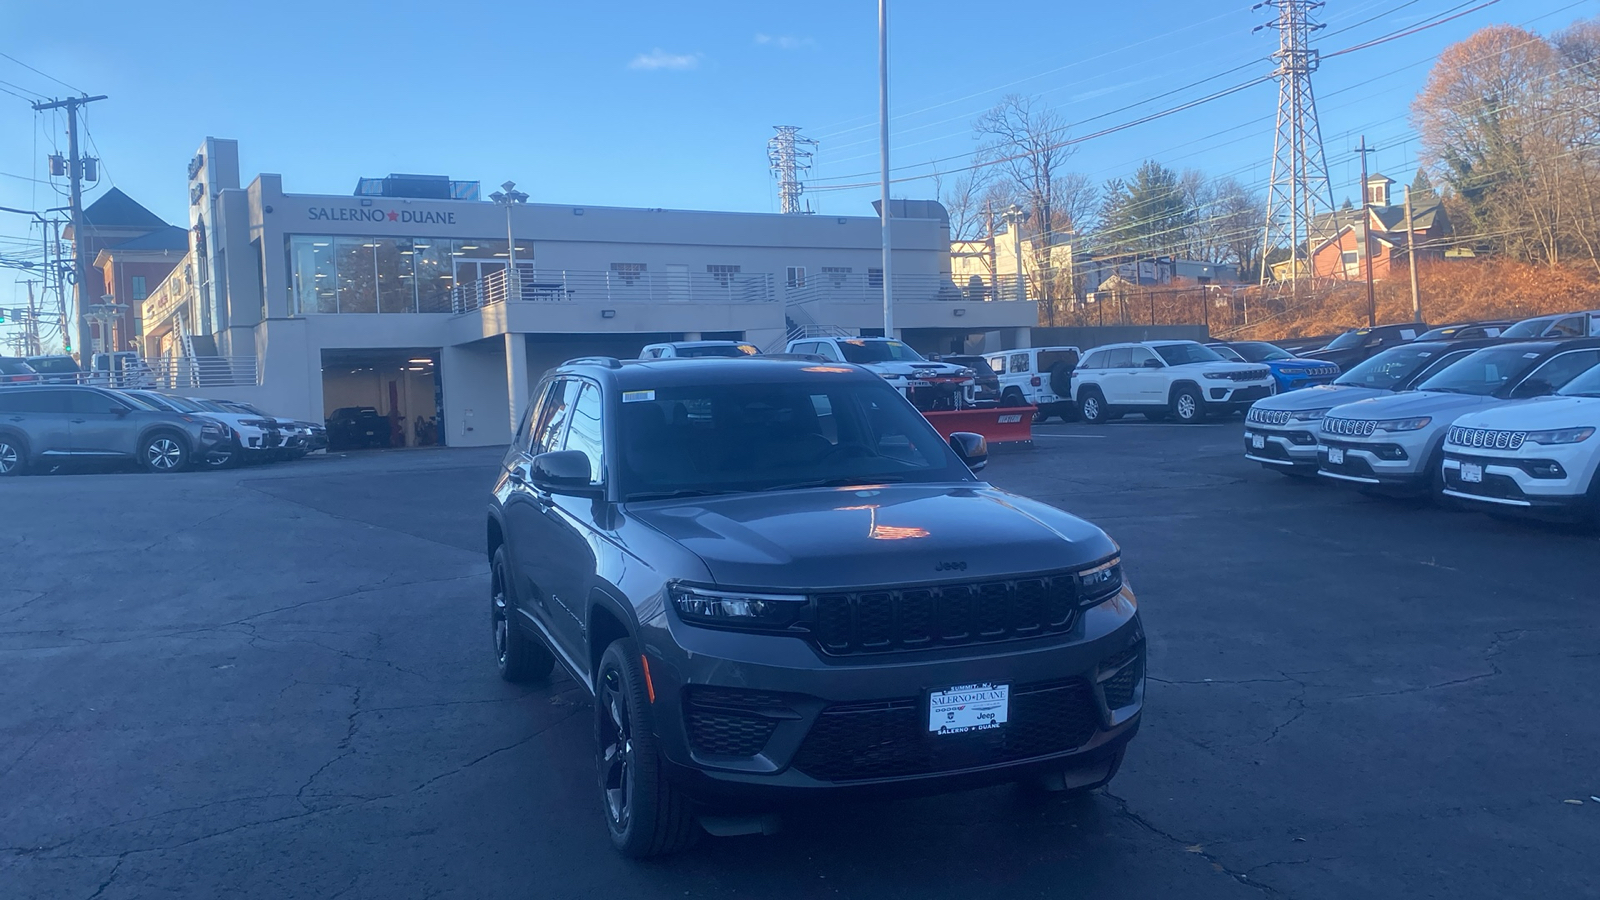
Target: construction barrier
[(997, 424)]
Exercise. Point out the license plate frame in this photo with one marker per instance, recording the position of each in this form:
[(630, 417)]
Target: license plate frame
[(1335, 456), (1471, 473), (968, 708), (1258, 442)]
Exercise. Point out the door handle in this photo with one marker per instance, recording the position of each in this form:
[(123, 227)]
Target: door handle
[(79, 421)]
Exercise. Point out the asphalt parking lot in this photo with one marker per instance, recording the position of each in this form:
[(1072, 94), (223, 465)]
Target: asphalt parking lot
[(278, 683)]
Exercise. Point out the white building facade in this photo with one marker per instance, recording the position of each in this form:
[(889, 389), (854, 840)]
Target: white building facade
[(406, 303)]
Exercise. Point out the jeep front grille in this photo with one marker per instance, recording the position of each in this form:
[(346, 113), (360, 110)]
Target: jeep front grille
[(1487, 438), (1349, 427)]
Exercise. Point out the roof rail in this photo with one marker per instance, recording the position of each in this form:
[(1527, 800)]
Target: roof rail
[(610, 362)]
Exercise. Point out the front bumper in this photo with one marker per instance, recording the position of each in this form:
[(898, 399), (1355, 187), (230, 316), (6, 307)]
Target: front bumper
[(1371, 463), (791, 723), (1510, 480), (1234, 394), (1281, 447)]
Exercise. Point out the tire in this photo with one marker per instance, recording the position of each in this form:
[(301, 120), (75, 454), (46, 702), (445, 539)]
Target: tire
[(1092, 408), (1042, 415), (646, 815), (1061, 379), (164, 452), (215, 461), (1012, 398), (518, 656), (1055, 783), (13, 456), (1188, 407)]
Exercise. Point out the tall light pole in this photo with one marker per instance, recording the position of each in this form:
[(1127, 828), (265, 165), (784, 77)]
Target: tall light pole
[(883, 160), (508, 196), (1015, 216)]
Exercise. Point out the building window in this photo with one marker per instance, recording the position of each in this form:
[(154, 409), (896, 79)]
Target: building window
[(837, 275), (796, 277), (723, 274), (136, 284), (875, 278), (628, 272), (1351, 257)]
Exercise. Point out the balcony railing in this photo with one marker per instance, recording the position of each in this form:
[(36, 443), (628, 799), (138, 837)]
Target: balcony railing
[(169, 373), (834, 287), (564, 286)]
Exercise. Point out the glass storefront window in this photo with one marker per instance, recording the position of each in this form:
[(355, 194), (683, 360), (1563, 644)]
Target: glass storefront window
[(396, 286), (432, 265), (358, 289), (311, 274)]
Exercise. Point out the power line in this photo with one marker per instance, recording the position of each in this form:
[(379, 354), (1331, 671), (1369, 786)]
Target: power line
[(37, 72)]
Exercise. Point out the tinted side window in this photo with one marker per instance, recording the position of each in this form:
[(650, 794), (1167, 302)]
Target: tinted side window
[(553, 416), (1095, 360), (584, 432), (828, 351), (36, 402), (1564, 367), (91, 402), (1019, 362), (1119, 359), (1138, 356), (1572, 326)]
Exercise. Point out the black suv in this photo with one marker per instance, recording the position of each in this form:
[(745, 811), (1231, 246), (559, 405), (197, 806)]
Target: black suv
[(779, 582), (1360, 344), (68, 422)]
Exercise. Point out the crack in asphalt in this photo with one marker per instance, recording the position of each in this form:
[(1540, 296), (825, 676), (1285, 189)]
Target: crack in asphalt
[(351, 726), (29, 749), (191, 526), (1501, 639), (37, 596), (1199, 850), (111, 877), (512, 746)]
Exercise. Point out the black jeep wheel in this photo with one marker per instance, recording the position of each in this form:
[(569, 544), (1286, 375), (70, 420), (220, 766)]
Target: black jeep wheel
[(518, 656), (646, 815)]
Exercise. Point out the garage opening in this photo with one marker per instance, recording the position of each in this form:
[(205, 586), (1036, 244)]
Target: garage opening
[(382, 398)]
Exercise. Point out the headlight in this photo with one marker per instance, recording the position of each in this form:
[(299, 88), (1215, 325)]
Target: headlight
[(738, 609), (1309, 415), (889, 375), (925, 373), (1100, 581), (965, 372), (1560, 436), (1219, 376), (259, 423), (1416, 424)]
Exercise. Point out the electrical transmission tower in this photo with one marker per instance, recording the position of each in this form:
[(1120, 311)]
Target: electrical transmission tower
[(1300, 186), (790, 155)]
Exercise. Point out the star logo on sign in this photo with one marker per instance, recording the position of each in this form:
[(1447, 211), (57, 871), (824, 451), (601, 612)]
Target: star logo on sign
[(394, 217)]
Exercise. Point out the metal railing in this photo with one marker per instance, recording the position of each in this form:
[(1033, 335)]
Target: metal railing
[(837, 287), (167, 373), (566, 286)]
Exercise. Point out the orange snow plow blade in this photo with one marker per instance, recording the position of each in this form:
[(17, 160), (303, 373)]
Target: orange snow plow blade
[(998, 425)]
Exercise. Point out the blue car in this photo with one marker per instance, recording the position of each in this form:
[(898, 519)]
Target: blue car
[(1289, 371)]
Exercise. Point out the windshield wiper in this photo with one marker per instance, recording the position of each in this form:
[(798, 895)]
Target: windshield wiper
[(1444, 390), (669, 495), (837, 482)]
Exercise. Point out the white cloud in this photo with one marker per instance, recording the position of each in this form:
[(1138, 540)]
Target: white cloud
[(661, 59), (784, 41)]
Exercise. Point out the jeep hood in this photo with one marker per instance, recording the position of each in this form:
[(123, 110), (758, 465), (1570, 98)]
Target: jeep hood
[(837, 538), (900, 367), (1538, 414), (1323, 396), (1408, 404)]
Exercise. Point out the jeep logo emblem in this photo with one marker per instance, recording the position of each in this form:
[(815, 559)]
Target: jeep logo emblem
[(950, 567)]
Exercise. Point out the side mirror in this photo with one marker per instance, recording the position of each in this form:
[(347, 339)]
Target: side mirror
[(563, 472), (1152, 364), (972, 448), (1533, 387)]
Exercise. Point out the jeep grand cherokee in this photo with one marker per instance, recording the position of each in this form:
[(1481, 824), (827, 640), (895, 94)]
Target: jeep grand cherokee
[(779, 582)]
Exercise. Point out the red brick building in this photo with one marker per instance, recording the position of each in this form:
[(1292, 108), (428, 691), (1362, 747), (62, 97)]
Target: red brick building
[(1339, 254), (129, 250)]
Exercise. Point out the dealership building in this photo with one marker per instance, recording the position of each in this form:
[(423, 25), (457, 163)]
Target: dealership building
[(440, 308)]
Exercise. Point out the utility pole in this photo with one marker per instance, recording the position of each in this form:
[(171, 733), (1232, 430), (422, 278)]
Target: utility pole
[(31, 327), (1411, 257), (883, 161), (61, 292), (75, 174), (1366, 237)]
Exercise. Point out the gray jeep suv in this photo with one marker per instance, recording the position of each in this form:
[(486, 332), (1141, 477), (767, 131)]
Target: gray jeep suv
[(780, 583)]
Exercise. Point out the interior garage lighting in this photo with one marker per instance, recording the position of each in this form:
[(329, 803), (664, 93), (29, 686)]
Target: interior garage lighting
[(420, 360)]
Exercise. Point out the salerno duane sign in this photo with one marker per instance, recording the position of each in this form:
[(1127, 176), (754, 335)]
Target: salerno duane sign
[(374, 214)]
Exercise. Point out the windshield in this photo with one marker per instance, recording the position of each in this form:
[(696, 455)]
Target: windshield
[(1229, 354), (144, 402), (1347, 340), (1261, 351), (1585, 385), (183, 404), (1390, 368), (1528, 328), (1187, 352), (1484, 372), (211, 405), (742, 437), (877, 351), (54, 365), (733, 350), (15, 367)]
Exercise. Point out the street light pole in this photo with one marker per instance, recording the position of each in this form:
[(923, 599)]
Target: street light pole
[(883, 160), (508, 196)]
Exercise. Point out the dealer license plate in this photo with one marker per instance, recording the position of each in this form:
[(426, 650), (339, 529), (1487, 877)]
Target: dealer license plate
[(1472, 473), (1336, 456), (970, 707), (1258, 442)]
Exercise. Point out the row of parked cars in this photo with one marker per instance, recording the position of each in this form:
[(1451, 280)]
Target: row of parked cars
[(50, 425), (1496, 416)]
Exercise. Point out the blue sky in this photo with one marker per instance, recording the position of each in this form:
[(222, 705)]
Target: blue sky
[(671, 104)]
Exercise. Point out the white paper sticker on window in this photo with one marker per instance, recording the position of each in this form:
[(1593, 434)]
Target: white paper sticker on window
[(637, 396), (1530, 356)]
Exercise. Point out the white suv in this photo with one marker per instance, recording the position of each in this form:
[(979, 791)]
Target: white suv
[(680, 349), (1394, 444), (927, 384), (1184, 379), (1539, 456), (1037, 376)]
